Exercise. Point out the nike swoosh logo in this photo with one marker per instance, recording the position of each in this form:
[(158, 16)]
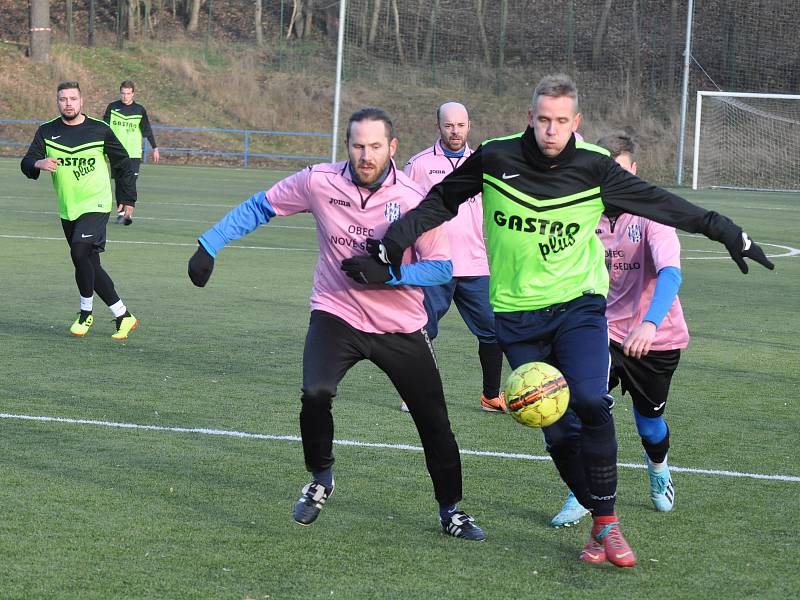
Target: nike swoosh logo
[(83, 235), (510, 176), (592, 556), (660, 406), (55, 137), (624, 554)]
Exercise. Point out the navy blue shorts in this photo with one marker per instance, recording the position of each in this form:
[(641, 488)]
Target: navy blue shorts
[(471, 297), (573, 337)]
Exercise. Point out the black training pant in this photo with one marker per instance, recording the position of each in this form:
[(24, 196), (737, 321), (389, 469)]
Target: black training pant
[(332, 347)]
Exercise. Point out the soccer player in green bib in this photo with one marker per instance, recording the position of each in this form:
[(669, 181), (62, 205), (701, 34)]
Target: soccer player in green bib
[(73, 148), (544, 192), (128, 120)]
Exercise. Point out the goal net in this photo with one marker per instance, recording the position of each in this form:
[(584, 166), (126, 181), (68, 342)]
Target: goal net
[(747, 141)]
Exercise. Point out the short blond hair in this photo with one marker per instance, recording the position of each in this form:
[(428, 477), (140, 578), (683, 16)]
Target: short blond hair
[(558, 85)]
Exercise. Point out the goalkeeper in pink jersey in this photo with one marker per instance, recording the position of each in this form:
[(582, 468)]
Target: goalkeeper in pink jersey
[(646, 328), (360, 309), (469, 287)]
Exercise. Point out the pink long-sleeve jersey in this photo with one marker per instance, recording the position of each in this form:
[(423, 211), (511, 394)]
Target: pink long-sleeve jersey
[(636, 250), (346, 215), (465, 230)]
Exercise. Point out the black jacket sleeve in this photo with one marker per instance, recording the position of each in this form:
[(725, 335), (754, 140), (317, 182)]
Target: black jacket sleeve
[(623, 192), (36, 151), (441, 204), (107, 115), (147, 131), (121, 167)]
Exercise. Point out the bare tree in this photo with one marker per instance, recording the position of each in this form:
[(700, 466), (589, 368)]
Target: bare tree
[(259, 29), (672, 44), (597, 47), (92, 13), (397, 35), (295, 22), (429, 37), (194, 15), (40, 30), (480, 6), (373, 28), (308, 11), (133, 17), (70, 24), (636, 76)]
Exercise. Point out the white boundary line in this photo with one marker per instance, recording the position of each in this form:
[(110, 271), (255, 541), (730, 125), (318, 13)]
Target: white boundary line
[(790, 251), (186, 244), (172, 220), (407, 447)]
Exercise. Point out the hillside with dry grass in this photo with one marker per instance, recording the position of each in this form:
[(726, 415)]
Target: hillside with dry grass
[(190, 83)]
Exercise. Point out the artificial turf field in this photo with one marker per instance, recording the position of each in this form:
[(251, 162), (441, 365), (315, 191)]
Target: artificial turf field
[(166, 466)]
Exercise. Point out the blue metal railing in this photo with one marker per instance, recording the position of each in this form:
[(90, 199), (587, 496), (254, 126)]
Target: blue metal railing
[(246, 135)]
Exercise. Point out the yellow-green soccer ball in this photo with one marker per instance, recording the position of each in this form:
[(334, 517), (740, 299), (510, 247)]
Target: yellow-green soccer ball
[(537, 394)]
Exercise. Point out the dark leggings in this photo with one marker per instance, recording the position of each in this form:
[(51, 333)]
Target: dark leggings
[(90, 275), (332, 347)]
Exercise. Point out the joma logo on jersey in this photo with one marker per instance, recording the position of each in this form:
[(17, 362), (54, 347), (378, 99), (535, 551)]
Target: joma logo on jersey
[(437, 172), (337, 202), (559, 236)]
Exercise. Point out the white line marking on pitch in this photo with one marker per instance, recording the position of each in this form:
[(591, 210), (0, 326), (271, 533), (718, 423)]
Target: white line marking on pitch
[(192, 245), (294, 438), (722, 256), (138, 218)]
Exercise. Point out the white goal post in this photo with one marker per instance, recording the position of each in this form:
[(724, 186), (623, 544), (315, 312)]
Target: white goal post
[(747, 141)]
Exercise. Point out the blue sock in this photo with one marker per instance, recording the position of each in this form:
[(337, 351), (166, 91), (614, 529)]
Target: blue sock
[(446, 511), (325, 477)]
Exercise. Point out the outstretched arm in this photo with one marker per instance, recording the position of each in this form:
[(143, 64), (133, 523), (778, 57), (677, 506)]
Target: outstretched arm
[(624, 192), (247, 217)]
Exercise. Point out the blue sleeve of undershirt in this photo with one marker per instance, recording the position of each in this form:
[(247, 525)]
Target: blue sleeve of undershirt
[(667, 286), (424, 273), (240, 221)]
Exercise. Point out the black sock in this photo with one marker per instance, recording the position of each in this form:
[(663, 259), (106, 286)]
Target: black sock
[(599, 446), (569, 463), (657, 453), (491, 357)]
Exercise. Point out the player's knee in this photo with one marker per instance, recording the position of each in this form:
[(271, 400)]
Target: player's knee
[(319, 397), (563, 434), (80, 252), (651, 429), (591, 404)]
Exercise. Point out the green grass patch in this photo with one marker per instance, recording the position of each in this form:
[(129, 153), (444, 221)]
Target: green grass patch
[(92, 511)]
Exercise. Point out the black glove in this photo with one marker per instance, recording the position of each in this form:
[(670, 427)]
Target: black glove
[(200, 266), (365, 269), (387, 253), (741, 247)]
